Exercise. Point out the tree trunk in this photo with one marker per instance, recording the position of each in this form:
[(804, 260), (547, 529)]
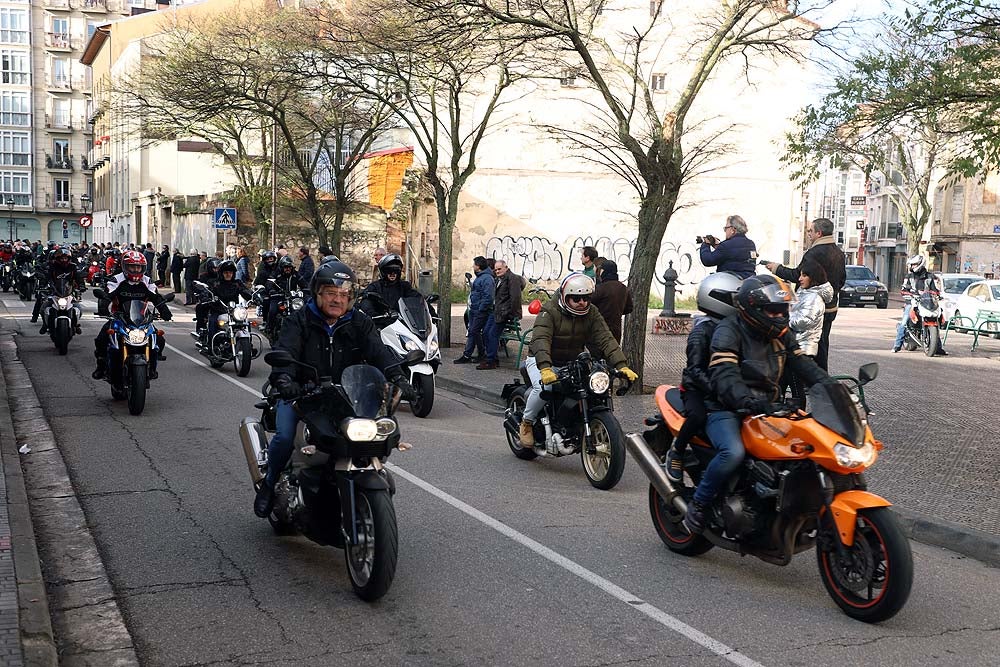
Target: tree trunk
[(337, 235), (654, 214), (446, 226)]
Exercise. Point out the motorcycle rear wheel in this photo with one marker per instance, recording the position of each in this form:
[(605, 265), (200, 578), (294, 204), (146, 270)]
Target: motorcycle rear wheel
[(424, 386), (136, 389), (516, 405), (874, 582), (604, 467), (668, 523), (371, 564)]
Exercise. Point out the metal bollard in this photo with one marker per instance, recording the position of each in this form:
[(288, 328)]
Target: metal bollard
[(669, 291), (425, 282)]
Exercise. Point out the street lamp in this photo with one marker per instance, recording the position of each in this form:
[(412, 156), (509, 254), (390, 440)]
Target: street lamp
[(10, 217), (84, 204)]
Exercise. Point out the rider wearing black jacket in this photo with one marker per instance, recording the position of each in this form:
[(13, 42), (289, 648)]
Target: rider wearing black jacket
[(60, 263), (748, 354), (131, 284), (390, 286), (287, 280), (226, 288), (330, 335)]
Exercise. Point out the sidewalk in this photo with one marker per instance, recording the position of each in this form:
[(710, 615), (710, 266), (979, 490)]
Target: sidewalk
[(936, 468)]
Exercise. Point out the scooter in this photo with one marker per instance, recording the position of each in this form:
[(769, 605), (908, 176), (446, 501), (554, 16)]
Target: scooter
[(410, 328)]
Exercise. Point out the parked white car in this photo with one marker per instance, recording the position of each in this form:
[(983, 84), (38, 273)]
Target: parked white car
[(978, 299), (952, 287)]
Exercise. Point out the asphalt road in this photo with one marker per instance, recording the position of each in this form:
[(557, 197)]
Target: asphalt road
[(501, 561)]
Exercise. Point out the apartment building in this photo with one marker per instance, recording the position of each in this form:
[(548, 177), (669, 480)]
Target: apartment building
[(45, 176), (965, 228)]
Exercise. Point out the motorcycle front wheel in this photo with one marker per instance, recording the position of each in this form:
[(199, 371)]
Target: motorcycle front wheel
[(871, 581), (244, 354), (371, 563), (136, 389), (424, 386), (603, 454), (932, 341), (515, 404), (60, 336)]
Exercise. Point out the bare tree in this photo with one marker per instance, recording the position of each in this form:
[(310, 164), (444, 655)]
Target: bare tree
[(442, 81), (648, 139)]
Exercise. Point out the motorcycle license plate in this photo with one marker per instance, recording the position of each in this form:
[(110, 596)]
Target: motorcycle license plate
[(867, 298)]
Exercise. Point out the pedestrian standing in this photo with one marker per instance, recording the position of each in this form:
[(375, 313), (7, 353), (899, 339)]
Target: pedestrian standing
[(506, 308), (162, 262), (306, 266), (734, 254), (587, 257), (612, 298), (824, 251), (176, 269), (191, 272), (242, 266), (150, 256), (480, 311), (376, 258)]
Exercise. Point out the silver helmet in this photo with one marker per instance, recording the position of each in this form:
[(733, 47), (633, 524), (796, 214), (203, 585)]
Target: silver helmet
[(575, 293), (717, 294)]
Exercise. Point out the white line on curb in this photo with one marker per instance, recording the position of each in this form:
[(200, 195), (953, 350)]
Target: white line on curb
[(592, 578)]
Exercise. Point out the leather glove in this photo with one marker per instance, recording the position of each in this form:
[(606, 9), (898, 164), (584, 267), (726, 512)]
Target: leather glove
[(758, 406), (629, 374), (287, 388), (548, 376)]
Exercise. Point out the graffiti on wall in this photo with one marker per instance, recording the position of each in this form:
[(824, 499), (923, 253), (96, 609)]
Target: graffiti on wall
[(539, 258), (532, 257)]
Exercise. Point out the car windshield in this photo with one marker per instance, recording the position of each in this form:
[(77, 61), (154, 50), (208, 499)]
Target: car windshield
[(860, 273), (365, 388), (996, 291), (958, 285), (137, 313), (833, 407), (416, 316)]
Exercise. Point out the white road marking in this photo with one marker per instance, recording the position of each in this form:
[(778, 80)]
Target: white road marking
[(14, 304), (633, 601)]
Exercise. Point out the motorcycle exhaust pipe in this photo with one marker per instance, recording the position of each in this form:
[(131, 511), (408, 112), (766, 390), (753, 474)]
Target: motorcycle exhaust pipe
[(512, 425), (651, 468), (254, 447)]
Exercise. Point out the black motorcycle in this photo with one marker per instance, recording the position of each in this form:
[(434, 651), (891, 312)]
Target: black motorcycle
[(288, 303), (7, 276), (578, 417), (231, 338), (335, 489), (26, 281), (60, 310)]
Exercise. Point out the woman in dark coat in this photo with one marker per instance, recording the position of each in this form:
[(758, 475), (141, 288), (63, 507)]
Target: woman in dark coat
[(612, 299)]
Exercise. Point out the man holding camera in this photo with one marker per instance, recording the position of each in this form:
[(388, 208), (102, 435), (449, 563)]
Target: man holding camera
[(736, 254)]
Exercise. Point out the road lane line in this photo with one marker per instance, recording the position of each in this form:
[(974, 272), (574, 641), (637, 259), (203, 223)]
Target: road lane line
[(632, 601)]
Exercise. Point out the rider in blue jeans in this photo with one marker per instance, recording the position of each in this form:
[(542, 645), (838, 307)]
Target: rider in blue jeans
[(481, 327), (748, 353)]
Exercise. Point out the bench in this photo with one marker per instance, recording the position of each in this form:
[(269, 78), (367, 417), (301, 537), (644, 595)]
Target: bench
[(986, 324), (512, 333)]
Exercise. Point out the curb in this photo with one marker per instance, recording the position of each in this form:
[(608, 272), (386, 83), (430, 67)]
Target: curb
[(86, 621), (919, 527)]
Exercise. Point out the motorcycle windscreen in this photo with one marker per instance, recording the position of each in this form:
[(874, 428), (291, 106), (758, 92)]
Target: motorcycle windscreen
[(137, 312), (928, 301), (365, 388), (833, 406), (415, 314), (62, 285)]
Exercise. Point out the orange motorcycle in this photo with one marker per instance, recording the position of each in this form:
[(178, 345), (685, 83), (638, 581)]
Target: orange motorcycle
[(801, 486)]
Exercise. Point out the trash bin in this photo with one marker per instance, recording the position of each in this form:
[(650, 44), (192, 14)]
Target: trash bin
[(425, 282)]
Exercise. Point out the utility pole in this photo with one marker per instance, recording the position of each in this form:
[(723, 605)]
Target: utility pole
[(274, 183)]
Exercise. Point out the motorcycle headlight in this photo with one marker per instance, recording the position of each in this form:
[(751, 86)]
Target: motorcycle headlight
[(221, 322), (360, 430), (62, 302), (408, 343), (432, 345), (239, 313), (297, 303), (136, 337), (854, 457), (599, 382), (385, 427)]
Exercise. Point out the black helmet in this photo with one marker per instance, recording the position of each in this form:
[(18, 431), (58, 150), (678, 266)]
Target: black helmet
[(391, 263), (337, 274), (328, 259), (269, 257), (286, 263), (212, 266), (760, 295), (227, 265)]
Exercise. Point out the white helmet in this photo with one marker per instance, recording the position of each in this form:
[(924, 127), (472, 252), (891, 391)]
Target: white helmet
[(916, 263), (717, 294), (577, 288)]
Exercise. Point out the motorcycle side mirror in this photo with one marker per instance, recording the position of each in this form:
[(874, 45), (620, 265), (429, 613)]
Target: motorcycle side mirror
[(468, 276), (433, 298), (279, 358), (169, 296), (533, 281), (100, 294), (198, 283), (413, 356), (867, 373)]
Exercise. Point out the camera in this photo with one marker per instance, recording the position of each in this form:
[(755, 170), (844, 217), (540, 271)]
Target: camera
[(707, 238), (699, 240)]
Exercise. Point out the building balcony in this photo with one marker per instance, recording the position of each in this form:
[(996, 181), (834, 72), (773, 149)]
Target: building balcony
[(51, 202), (58, 123), (58, 5), (93, 6), (59, 163), (85, 165), (58, 41), (59, 84)]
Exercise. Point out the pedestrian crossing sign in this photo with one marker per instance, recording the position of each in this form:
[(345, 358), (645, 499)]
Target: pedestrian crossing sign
[(225, 218)]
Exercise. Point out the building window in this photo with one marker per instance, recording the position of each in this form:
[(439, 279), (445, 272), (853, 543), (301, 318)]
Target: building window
[(60, 113), (15, 149), (59, 72), (14, 108), (62, 192), (92, 28), (136, 3), (658, 82), (13, 26), (17, 186), (568, 77), (15, 67)]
